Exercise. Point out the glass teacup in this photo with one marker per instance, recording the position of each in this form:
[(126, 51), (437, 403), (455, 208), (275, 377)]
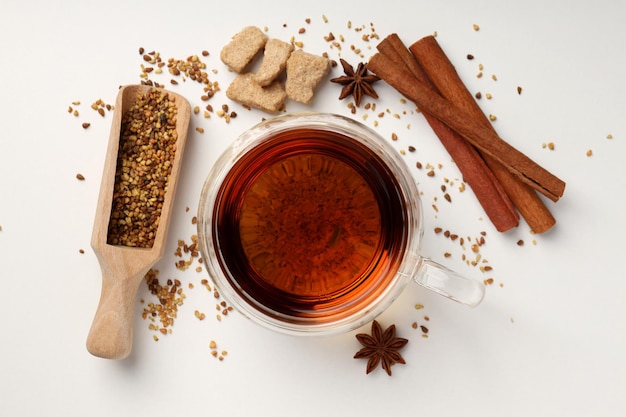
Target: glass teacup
[(311, 223)]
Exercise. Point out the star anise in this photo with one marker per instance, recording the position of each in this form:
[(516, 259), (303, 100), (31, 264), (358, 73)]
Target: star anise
[(356, 83), (381, 347)]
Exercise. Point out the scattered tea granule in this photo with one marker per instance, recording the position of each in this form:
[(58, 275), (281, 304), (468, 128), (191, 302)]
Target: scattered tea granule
[(170, 296)]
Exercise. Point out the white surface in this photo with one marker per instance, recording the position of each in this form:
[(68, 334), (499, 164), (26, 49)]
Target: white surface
[(550, 341)]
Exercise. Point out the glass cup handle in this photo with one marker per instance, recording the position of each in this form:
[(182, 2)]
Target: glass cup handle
[(448, 283)]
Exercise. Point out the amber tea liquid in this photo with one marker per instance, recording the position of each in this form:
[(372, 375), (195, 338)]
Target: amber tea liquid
[(310, 224)]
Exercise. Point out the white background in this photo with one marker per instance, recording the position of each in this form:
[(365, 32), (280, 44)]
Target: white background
[(550, 337)]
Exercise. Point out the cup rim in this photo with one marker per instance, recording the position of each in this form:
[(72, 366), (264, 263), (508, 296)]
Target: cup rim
[(251, 138)]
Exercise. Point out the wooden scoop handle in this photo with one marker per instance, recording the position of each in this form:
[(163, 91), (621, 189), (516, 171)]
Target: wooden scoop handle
[(111, 334)]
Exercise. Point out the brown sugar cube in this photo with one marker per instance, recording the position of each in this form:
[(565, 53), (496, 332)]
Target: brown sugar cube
[(243, 47), (245, 90), (274, 61), (304, 72)]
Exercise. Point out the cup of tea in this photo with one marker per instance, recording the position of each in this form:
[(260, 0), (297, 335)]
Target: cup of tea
[(311, 223)]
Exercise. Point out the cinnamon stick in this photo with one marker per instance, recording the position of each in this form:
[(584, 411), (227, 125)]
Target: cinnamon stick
[(441, 72), (486, 187), (482, 137)]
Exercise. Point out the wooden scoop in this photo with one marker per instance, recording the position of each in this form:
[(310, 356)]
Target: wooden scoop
[(123, 267)]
